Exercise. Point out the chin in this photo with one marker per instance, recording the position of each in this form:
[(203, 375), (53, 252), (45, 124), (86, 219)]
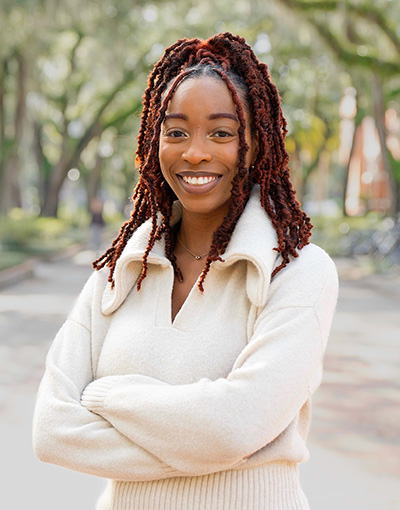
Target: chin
[(203, 206)]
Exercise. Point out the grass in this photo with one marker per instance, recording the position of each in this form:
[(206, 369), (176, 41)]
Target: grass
[(9, 259), (23, 236), (339, 235)]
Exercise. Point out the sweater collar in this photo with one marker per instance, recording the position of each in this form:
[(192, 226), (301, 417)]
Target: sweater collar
[(252, 240)]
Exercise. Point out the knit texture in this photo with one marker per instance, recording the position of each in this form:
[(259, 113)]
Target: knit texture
[(210, 411), (275, 486)]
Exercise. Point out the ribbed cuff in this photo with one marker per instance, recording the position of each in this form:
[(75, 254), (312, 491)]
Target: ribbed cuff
[(95, 393)]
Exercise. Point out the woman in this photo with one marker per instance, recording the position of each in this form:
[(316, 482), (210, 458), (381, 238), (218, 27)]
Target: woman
[(184, 372)]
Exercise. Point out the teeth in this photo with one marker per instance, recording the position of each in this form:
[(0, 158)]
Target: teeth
[(198, 181)]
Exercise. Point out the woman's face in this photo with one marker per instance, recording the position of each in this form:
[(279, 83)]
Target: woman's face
[(199, 144)]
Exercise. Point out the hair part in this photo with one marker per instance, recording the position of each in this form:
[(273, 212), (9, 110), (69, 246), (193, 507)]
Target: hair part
[(230, 59)]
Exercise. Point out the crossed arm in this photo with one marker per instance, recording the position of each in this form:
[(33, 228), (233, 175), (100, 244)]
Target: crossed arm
[(137, 428)]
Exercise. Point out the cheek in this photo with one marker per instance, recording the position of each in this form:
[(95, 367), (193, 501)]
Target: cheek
[(164, 158), (161, 154), (227, 154)]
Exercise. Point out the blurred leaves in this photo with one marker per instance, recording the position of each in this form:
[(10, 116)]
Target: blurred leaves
[(81, 68), (22, 233)]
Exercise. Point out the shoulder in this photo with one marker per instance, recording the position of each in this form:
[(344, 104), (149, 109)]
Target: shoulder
[(89, 300), (313, 264), (306, 279), (95, 284)]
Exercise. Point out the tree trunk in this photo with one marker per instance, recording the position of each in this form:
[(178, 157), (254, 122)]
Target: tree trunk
[(70, 157), (37, 150), (94, 180), (379, 114), (11, 170), (51, 199), (3, 72), (345, 168), (57, 178)]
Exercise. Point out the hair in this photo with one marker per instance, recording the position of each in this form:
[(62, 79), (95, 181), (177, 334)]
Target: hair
[(229, 58)]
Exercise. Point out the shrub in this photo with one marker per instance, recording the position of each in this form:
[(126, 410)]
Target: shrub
[(20, 232)]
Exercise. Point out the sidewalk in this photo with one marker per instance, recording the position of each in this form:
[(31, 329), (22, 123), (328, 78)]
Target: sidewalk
[(385, 283), (354, 439), (31, 312), (355, 435)]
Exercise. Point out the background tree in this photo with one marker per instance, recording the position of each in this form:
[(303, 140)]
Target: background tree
[(72, 75), (365, 40)]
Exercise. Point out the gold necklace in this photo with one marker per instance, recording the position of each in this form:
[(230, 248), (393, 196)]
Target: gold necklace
[(197, 257)]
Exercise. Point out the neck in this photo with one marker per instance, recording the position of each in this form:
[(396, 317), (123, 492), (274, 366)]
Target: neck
[(196, 231)]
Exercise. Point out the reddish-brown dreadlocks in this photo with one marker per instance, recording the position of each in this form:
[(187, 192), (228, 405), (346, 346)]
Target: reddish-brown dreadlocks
[(232, 60)]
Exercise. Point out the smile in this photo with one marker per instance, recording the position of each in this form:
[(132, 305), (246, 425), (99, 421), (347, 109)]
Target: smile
[(200, 184), (198, 181)]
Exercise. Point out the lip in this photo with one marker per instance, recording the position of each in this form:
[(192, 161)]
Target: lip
[(198, 189)]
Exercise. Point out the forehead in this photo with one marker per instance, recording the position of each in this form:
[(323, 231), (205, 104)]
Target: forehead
[(202, 92)]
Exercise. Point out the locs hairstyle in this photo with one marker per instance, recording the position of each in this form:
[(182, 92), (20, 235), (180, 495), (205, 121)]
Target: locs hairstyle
[(230, 59)]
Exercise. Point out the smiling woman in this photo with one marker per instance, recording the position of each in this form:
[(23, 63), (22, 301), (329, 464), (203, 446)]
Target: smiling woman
[(185, 371), (198, 155), (199, 144)]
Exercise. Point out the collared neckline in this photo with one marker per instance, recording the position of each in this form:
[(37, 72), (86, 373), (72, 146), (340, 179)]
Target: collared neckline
[(253, 240)]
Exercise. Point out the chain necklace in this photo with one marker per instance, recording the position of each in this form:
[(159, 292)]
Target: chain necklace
[(197, 257)]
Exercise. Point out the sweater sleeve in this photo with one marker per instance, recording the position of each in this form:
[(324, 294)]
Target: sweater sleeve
[(66, 433), (213, 425)]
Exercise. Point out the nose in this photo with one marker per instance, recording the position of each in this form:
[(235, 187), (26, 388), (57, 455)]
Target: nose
[(196, 151)]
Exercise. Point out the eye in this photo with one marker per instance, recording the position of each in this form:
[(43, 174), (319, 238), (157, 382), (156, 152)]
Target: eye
[(175, 133), (221, 133)]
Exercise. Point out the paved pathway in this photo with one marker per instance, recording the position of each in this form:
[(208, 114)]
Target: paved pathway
[(354, 441), (355, 434)]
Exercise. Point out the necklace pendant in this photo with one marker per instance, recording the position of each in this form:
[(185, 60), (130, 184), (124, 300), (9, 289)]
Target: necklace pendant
[(197, 257)]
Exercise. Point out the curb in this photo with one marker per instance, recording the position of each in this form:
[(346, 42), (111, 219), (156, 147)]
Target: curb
[(387, 283), (65, 253), (26, 269), (17, 273)]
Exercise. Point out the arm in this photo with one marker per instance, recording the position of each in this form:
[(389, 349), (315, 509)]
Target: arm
[(213, 425), (67, 434)]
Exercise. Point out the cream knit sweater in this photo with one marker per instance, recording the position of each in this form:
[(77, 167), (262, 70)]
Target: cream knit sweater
[(208, 412)]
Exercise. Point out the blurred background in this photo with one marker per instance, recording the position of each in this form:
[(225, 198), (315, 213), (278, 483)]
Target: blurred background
[(72, 75)]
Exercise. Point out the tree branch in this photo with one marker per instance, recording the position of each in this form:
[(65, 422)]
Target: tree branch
[(383, 67), (122, 116), (369, 12), (92, 130)]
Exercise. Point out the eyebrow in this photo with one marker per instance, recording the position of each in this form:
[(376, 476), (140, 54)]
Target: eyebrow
[(175, 116), (223, 116), (210, 117)]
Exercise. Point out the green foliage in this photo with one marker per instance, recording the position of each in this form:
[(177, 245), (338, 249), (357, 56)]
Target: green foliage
[(396, 166), (87, 64), (33, 235), (78, 219), (361, 34), (11, 258), (337, 234)]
